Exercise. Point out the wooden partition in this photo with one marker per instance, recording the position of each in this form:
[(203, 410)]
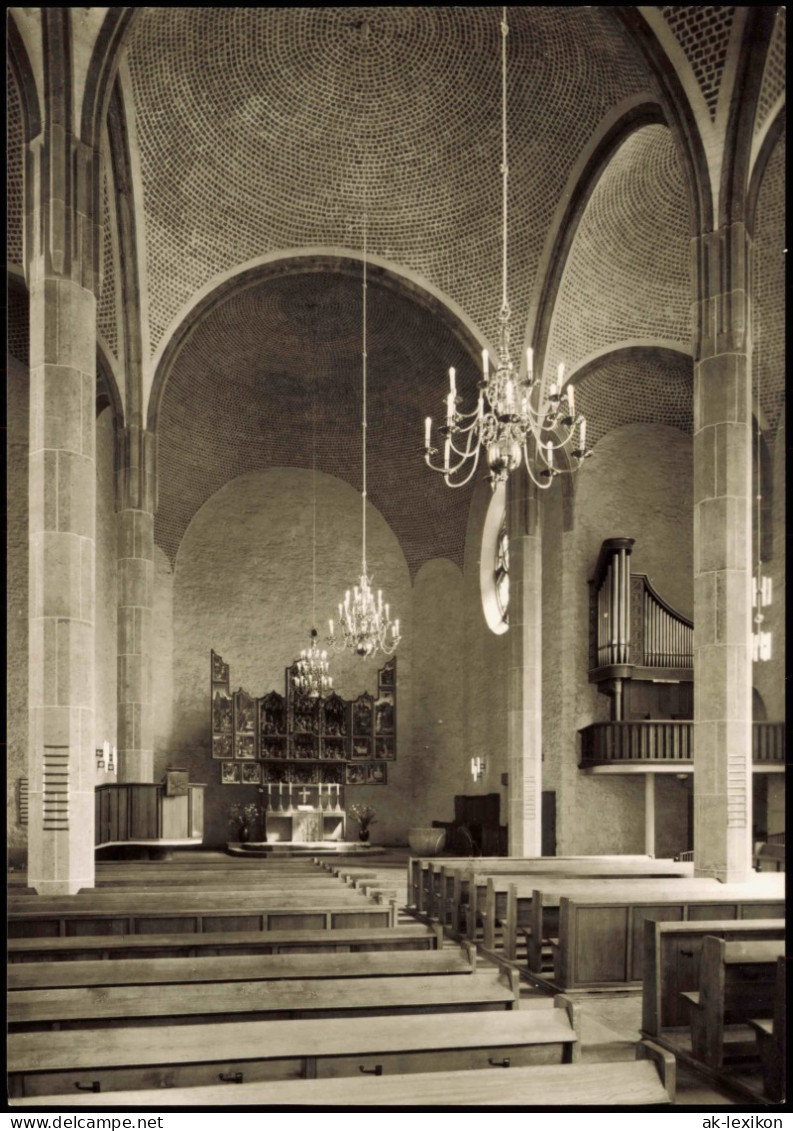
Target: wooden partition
[(142, 813)]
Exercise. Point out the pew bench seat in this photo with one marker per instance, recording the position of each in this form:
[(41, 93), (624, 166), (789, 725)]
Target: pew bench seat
[(77, 948), (637, 1083), (90, 1006), (240, 968), (737, 982), (178, 1056)]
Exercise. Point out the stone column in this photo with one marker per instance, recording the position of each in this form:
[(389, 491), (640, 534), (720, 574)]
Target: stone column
[(135, 558), (722, 559), (63, 278), (649, 814), (525, 668)]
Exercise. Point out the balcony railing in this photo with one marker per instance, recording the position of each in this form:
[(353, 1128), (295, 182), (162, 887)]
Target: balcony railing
[(666, 740)]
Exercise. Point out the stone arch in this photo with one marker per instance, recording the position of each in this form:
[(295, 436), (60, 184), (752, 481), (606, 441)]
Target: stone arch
[(25, 80), (615, 128), (102, 72), (311, 260)]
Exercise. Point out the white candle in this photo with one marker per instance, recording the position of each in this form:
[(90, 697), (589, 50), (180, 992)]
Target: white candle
[(560, 374), (396, 627), (427, 431), (571, 399), (550, 454), (450, 408), (446, 453), (582, 435), (509, 393), (530, 364), (552, 391), (480, 406), (485, 363), (452, 382)]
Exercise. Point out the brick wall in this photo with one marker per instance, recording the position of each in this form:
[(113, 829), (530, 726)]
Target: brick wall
[(242, 585)]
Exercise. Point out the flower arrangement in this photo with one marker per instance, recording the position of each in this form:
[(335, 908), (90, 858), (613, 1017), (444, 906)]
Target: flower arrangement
[(365, 815), (243, 816)]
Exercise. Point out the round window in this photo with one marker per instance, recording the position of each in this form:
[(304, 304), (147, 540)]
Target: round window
[(494, 563)]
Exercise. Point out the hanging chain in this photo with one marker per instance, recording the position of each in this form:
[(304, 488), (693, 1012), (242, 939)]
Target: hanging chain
[(363, 420), (505, 311)]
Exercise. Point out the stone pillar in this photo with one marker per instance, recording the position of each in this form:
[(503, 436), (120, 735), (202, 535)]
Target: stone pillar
[(722, 559), (63, 279), (135, 558), (649, 814), (525, 668)]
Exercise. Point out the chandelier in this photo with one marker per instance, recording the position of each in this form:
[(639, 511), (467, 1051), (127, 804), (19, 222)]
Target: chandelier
[(310, 678), (514, 420), (365, 625)]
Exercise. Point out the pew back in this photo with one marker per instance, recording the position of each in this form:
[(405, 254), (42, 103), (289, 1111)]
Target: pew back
[(672, 956), (600, 941), (737, 981)]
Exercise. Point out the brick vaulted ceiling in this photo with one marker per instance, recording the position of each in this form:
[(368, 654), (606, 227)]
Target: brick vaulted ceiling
[(259, 131), (245, 387)]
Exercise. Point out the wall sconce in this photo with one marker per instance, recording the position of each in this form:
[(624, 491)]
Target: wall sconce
[(477, 768), (100, 759)]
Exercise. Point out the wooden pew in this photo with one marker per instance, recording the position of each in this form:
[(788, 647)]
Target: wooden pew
[(737, 982), (424, 872), (241, 968), (169, 913), (600, 942), (772, 1039), (408, 936), (636, 1083), (491, 902), (539, 917), (88, 1007), (172, 1057), (769, 858), (455, 907), (672, 955)]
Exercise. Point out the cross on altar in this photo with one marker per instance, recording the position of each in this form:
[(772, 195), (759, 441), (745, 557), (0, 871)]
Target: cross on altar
[(304, 795)]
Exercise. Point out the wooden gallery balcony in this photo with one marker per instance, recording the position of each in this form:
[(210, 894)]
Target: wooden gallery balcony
[(664, 745), (641, 657)]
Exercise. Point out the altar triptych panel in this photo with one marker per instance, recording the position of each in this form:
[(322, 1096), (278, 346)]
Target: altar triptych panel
[(296, 740)]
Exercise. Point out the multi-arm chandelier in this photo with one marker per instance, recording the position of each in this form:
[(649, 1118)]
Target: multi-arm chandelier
[(365, 626), (311, 677), (514, 419)]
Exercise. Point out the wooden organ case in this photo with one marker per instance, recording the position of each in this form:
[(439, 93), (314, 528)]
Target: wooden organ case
[(635, 635)]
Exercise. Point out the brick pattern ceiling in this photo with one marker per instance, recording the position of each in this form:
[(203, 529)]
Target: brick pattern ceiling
[(775, 70), (768, 363), (703, 31), (628, 271), (245, 386), (259, 128), (14, 191)]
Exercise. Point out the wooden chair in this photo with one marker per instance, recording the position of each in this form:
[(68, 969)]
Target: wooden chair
[(737, 983)]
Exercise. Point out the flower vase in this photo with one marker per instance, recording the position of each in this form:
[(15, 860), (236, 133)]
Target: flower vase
[(363, 836), (245, 834)]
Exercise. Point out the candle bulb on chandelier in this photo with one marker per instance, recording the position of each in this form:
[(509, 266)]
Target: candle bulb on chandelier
[(560, 374), (446, 452), (550, 454), (571, 399), (450, 409), (530, 365), (427, 431), (485, 363), (452, 382), (582, 435)]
